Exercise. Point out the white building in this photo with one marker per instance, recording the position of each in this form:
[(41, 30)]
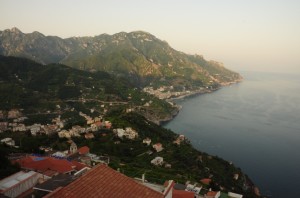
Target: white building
[(19, 127), (8, 141), (234, 195), (129, 133), (158, 147), (157, 161), (147, 141), (34, 129), (18, 183)]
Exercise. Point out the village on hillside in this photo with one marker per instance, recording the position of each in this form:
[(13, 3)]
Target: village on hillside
[(56, 173)]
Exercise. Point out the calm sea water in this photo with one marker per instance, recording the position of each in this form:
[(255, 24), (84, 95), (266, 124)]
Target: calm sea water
[(255, 124)]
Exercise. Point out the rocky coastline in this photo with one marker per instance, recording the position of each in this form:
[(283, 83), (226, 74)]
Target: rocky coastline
[(187, 95)]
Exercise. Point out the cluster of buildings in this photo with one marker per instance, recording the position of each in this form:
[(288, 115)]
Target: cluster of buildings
[(14, 122), (166, 92), (16, 118), (74, 172), (99, 181), (42, 173)]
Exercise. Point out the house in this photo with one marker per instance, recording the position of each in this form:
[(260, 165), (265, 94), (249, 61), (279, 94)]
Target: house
[(236, 176), (212, 194), (8, 141), (168, 166), (173, 190), (2, 116), (59, 154), (120, 132), (19, 127), (147, 141), (18, 183), (49, 129), (89, 120), (3, 126), (98, 159), (130, 133), (14, 113), (98, 122), (76, 130), (94, 127), (176, 142), (107, 124), (34, 129), (103, 180), (234, 195), (157, 161), (205, 181), (64, 133), (179, 139), (44, 164), (83, 150), (89, 136), (158, 147), (193, 188)]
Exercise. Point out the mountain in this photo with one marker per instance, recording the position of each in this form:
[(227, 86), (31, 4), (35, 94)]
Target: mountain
[(139, 56)]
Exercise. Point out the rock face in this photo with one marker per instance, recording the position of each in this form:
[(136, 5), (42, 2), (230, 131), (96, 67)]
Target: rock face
[(138, 55)]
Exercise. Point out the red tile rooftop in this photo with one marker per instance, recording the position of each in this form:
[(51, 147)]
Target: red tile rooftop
[(103, 182), (43, 164), (182, 194), (211, 193), (205, 181), (83, 150)]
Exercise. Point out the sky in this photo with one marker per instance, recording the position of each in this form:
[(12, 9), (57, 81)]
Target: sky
[(255, 35)]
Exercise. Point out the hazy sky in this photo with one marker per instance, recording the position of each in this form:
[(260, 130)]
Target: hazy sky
[(243, 34)]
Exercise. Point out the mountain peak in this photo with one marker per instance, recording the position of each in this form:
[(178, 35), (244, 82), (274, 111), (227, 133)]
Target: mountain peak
[(15, 30)]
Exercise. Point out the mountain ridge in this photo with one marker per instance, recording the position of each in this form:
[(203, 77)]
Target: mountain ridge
[(138, 55)]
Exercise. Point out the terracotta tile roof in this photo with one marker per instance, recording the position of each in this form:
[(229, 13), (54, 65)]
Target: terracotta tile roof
[(182, 194), (43, 164), (83, 150), (205, 181), (211, 193), (79, 165), (103, 181)]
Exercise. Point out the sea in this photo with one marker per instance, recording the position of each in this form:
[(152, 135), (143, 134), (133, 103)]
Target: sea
[(255, 124)]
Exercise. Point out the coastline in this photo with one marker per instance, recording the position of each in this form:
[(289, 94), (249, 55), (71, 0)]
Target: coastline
[(248, 181), (161, 122)]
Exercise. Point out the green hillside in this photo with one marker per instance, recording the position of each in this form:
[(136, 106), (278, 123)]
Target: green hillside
[(138, 56), (39, 88)]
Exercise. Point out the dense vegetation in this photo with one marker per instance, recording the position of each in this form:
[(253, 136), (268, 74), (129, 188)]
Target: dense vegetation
[(39, 89)]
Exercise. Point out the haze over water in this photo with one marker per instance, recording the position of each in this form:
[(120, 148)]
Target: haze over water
[(255, 124)]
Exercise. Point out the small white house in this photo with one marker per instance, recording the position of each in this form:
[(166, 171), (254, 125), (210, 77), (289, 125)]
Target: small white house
[(157, 161), (147, 141), (8, 141), (158, 147), (234, 195)]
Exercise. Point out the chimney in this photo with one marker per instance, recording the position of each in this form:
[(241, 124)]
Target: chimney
[(143, 177)]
